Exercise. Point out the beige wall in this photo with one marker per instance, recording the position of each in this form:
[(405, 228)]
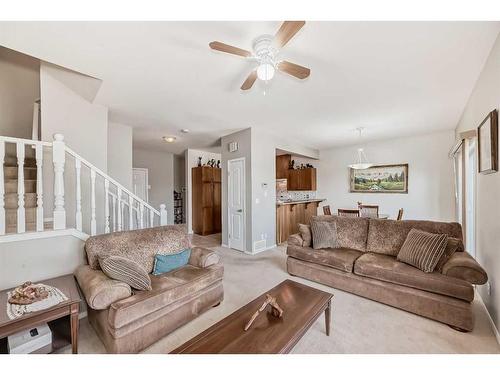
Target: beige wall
[(484, 98), (430, 176), (19, 88), (160, 167), (120, 153)]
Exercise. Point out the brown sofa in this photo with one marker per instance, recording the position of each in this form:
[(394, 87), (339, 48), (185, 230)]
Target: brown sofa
[(366, 265), (128, 321)]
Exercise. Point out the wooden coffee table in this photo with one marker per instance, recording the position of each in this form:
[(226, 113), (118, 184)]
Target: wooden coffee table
[(302, 306), (57, 317)]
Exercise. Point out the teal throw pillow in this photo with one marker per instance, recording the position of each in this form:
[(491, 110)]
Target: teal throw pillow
[(169, 262)]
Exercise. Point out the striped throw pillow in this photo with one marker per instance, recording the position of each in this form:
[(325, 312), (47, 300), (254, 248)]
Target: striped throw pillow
[(324, 234), (126, 270), (423, 249)]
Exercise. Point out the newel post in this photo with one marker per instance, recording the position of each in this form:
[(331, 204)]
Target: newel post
[(163, 215), (59, 158)]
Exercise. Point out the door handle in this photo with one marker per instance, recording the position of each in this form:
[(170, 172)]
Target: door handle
[(240, 210)]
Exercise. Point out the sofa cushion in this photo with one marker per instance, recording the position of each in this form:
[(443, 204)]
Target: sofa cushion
[(423, 249), (387, 268), (99, 290), (168, 289), (305, 233), (387, 236), (324, 235), (126, 270), (351, 231), (339, 258), (140, 245)]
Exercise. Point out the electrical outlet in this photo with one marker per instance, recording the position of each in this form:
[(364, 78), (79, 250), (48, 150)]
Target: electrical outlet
[(488, 288)]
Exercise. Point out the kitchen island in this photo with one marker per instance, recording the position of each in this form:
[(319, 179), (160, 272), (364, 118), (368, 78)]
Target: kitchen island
[(289, 214)]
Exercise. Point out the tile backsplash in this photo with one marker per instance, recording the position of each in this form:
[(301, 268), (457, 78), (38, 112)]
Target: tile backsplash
[(296, 195)]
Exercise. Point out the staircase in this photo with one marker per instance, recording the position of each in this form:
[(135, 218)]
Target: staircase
[(22, 205)]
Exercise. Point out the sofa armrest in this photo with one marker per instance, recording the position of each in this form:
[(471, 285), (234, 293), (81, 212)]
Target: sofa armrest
[(295, 240), (462, 266), (99, 290), (203, 258)]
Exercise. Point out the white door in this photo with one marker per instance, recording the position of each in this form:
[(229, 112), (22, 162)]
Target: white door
[(236, 203), (140, 182)]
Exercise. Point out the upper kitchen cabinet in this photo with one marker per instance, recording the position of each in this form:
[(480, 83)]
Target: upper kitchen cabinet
[(282, 165), (302, 179)]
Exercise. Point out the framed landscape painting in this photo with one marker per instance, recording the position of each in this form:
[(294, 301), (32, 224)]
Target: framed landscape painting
[(487, 136), (380, 179)]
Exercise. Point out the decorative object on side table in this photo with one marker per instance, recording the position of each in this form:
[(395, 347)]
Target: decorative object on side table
[(276, 310), (199, 161), (380, 179), (487, 144), (28, 293)]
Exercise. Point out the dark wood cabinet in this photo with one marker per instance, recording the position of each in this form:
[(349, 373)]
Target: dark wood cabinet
[(302, 179), (289, 216), (206, 194), (282, 165)]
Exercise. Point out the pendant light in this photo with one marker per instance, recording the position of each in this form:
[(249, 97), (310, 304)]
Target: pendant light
[(361, 160)]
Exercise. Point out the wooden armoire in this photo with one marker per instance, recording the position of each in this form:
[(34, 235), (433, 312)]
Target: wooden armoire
[(206, 212)]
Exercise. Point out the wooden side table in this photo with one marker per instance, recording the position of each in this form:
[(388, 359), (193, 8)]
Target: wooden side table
[(56, 316)]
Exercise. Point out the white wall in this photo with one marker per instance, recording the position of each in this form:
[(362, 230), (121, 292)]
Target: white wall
[(485, 98), (19, 88), (120, 153), (39, 259), (191, 160), (430, 176), (160, 167)]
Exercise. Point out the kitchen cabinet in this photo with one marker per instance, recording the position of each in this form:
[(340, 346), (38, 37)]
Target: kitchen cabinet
[(302, 179), (282, 165), (290, 215)]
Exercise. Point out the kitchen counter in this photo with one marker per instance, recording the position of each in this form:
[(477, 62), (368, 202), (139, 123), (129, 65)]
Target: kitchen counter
[(284, 203)]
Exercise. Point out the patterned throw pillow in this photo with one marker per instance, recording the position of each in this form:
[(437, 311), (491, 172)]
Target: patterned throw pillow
[(423, 249), (324, 235), (126, 270), (305, 232)]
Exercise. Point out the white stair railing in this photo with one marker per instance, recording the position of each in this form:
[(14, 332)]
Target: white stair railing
[(123, 210)]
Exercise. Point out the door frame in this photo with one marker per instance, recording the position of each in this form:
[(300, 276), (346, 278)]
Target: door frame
[(244, 190), (147, 181)]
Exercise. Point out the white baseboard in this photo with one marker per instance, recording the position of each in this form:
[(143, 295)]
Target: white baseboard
[(261, 250), (224, 245), (492, 323)]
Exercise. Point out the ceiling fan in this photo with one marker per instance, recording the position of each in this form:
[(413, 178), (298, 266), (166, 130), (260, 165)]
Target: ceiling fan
[(265, 52)]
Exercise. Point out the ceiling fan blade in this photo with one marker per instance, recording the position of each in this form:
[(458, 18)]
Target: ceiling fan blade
[(295, 70), (229, 49), (252, 77), (286, 32)]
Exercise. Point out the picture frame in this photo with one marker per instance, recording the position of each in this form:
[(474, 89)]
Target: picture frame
[(487, 144), (390, 178)]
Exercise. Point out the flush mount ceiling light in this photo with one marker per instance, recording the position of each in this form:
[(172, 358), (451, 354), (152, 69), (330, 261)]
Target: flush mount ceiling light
[(169, 139), (185, 131), (265, 52), (361, 160)]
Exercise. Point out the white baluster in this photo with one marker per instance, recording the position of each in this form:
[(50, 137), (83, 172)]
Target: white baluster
[(141, 216), (21, 223), (59, 158), (163, 215), (151, 218), (119, 213), (78, 214), (114, 213), (39, 187), (2, 189), (106, 206), (130, 212), (93, 226)]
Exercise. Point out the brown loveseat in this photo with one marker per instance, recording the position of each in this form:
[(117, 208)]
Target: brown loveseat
[(128, 321), (366, 265)]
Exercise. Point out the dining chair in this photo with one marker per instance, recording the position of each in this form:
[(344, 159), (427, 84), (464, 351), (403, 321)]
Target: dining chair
[(326, 210), (400, 214), (367, 210), (348, 212)]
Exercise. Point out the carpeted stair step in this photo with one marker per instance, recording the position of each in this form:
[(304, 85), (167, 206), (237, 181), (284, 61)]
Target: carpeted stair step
[(10, 172), (11, 200), (11, 186)]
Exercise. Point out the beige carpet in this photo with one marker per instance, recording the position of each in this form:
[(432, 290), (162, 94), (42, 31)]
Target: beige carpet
[(358, 325)]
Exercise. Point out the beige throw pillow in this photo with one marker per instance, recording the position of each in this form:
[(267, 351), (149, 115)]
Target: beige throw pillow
[(305, 232), (126, 270), (423, 249), (324, 235)]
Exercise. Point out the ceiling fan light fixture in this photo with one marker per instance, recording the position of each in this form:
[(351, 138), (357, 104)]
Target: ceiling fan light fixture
[(169, 139), (265, 72)]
